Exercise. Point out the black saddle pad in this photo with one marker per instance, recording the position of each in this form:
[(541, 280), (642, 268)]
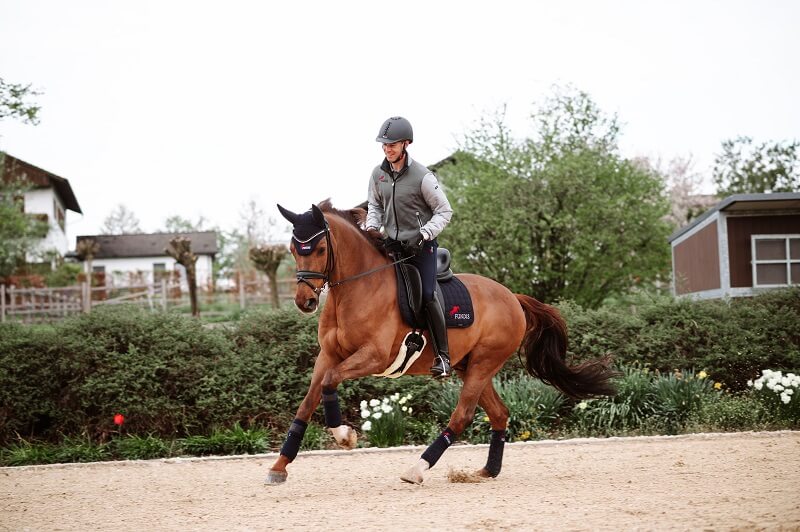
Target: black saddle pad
[(456, 304)]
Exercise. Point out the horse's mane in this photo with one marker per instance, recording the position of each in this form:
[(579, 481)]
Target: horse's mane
[(356, 217)]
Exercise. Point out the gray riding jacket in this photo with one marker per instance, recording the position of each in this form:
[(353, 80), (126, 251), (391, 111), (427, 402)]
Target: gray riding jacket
[(403, 201)]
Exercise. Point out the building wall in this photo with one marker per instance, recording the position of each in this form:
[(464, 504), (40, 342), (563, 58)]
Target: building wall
[(203, 268), (696, 262), (46, 201), (740, 229)]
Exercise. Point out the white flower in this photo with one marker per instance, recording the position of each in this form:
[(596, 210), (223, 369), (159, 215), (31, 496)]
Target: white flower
[(377, 415), (408, 397), (374, 402), (750, 383), (409, 410), (395, 396), (778, 388), (366, 426), (385, 401), (386, 408), (785, 398), (582, 405), (403, 400), (365, 414), (788, 391), (363, 405), (758, 384), (404, 408)]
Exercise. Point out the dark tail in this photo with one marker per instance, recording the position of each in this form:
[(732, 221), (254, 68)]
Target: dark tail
[(545, 349)]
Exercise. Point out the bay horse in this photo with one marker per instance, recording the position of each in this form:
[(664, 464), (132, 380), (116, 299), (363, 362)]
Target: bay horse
[(361, 330)]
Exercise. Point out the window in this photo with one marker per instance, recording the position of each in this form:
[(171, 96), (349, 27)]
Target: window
[(776, 260), (159, 271)]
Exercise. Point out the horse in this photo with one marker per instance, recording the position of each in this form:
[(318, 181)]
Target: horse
[(361, 329)]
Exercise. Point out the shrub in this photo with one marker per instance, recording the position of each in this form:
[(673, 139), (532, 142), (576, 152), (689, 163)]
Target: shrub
[(135, 447), (729, 413), (385, 420), (779, 394), (227, 441)]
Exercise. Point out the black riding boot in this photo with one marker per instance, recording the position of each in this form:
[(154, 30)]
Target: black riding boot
[(438, 332)]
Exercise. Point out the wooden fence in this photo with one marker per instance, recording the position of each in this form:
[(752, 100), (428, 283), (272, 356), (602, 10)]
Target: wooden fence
[(37, 305)]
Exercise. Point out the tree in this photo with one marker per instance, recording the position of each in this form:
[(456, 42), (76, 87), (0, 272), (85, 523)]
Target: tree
[(180, 249), (120, 221), (683, 188), (560, 214), (13, 102), (744, 167), (19, 232), (179, 224), (267, 259)]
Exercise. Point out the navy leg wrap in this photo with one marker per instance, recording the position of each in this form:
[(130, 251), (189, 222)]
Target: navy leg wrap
[(292, 444), (330, 405), (439, 446), (495, 461)]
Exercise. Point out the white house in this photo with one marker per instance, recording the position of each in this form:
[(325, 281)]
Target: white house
[(49, 198), (143, 257)]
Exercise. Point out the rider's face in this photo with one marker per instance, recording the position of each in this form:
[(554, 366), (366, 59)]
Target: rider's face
[(394, 150)]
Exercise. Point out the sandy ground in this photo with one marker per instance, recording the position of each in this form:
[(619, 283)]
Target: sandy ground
[(745, 481)]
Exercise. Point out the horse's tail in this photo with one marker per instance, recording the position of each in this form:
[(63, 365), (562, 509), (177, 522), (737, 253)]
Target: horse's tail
[(545, 349)]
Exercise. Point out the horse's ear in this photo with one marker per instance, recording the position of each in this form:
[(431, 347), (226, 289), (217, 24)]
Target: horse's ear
[(318, 216), (289, 215)]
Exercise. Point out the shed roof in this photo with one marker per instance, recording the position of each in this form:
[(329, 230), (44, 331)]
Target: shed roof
[(150, 245), (14, 168), (746, 202)]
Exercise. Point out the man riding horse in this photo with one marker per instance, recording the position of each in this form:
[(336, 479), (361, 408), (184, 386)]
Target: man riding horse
[(407, 201)]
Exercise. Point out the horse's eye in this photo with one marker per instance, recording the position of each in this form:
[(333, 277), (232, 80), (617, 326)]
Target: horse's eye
[(320, 251)]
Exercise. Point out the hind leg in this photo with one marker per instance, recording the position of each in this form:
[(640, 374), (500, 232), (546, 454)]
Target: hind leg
[(498, 416), (476, 378)]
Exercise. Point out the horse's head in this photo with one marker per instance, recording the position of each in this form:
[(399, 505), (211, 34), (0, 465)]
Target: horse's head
[(311, 247)]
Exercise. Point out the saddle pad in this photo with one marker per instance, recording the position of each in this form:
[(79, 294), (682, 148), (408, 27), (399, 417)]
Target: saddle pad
[(457, 305)]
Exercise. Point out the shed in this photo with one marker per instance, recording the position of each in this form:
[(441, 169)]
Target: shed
[(745, 244)]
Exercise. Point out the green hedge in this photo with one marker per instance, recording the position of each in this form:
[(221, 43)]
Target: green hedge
[(173, 378), (732, 340)]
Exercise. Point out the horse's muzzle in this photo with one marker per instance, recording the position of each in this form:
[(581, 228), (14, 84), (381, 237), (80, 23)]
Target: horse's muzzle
[(306, 304)]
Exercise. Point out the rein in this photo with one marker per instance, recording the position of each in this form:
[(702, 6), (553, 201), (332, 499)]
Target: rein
[(303, 276)]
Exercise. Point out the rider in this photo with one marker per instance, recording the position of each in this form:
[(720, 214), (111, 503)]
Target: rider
[(405, 198)]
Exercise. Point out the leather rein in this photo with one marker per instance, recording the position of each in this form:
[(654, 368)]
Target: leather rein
[(304, 276)]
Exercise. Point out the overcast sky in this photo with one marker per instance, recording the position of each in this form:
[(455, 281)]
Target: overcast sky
[(195, 108)]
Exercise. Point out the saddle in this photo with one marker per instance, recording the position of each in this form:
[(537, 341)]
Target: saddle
[(450, 291)]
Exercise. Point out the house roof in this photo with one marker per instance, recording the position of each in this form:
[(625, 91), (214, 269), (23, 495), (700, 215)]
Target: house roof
[(746, 202), (149, 245), (14, 168)]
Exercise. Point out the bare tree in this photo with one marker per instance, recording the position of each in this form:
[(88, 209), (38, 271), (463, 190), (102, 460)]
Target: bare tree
[(121, 221), (267, 259), (180, 249)]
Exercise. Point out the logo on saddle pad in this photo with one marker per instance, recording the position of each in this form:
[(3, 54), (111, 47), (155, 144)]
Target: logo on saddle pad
[(454, 314)]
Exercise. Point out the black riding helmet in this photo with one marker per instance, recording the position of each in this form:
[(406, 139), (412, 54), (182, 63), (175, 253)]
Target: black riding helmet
[(395, 129)]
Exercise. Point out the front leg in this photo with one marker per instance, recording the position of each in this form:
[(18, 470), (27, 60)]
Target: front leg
[(365, 361), (277, 473)]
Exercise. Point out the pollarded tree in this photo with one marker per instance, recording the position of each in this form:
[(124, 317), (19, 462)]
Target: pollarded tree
[(560, 214), (744, 168), (267, 259), (180, 249)]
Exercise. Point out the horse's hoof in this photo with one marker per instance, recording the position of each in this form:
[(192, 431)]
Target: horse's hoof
[(414, 474), (345, 436), (276, 477), (484, 473)]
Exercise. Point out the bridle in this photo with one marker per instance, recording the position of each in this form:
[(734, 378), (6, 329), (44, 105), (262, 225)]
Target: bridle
[(305, 276)]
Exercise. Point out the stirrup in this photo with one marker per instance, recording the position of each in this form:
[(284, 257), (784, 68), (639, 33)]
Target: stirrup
[(441, 369)]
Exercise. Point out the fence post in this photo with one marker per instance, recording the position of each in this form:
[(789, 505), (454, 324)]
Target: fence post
[(12, 297), (241, 291), (2, 303), (86, 296), (163, 294)]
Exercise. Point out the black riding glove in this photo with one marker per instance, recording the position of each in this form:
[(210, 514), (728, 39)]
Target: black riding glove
[(393, 246), (414, 245)]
